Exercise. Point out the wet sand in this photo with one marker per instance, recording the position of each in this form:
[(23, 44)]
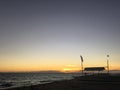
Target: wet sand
[(91, 82)]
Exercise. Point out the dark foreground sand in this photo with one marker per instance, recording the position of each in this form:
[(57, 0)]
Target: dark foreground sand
[(93, 82)]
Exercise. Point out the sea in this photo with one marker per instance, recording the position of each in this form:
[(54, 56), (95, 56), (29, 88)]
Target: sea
[(10, 80)]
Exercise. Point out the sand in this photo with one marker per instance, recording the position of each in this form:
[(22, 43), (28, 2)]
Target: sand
[(91, 82)]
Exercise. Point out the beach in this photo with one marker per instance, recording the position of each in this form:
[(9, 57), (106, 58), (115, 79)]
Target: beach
[(88, 82)]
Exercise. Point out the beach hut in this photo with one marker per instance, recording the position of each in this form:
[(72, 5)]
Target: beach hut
[(94, 69)]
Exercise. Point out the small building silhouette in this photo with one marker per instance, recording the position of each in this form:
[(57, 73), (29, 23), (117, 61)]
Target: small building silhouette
[(94, 68)]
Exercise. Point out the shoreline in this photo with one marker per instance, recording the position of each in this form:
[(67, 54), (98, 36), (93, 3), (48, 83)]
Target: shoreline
[(90, 82)]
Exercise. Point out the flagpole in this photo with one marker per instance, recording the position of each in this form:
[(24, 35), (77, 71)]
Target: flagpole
[(82, 67), (108, 63), (81, 63)]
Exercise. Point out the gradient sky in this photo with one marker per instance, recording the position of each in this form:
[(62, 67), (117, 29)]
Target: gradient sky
[(52, 34)]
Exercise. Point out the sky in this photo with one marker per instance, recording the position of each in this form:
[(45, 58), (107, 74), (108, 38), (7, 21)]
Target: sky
[(40, 35)]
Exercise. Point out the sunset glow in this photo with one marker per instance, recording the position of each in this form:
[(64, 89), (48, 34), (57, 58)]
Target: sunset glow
[(46, 35)]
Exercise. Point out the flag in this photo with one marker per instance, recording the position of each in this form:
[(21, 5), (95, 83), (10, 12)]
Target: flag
[(107, 55), (81, 58)]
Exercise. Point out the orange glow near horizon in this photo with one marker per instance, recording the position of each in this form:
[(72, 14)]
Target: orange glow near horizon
[(43, 67), (35, 69), (70, 68), (66, 65)]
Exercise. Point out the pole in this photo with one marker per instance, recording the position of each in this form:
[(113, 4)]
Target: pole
[(82, 67), (108, 63), (108, 66), (81, 63)]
